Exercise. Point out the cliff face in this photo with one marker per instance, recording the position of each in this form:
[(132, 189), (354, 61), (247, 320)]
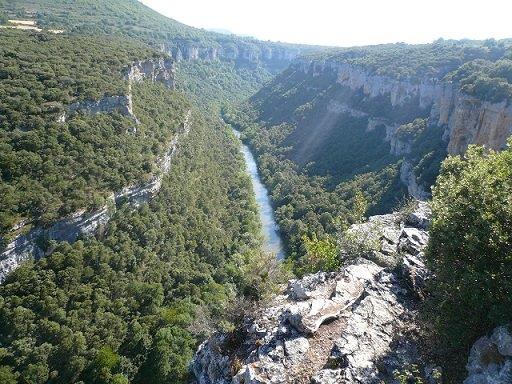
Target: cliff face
[(249, 53), (386, 102), (160, 70), (467, 120), (29, 246)]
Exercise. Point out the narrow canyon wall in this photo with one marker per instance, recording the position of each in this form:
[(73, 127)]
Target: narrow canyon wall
[(33, 244)]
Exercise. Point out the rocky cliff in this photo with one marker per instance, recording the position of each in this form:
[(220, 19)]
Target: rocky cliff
[(32, 245), (352, 326), (464, 119), (357, 325), (273, 56), (160, 70)]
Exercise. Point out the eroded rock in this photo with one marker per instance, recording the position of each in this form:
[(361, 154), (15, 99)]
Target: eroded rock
[(490, 359), (352, 326)]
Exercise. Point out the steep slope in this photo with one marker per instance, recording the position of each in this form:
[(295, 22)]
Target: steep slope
[(76, 124), (90, 129), (373, 119), (234, 57), (129, 305)]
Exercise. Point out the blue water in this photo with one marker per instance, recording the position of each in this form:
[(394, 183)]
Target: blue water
[(272, 240)]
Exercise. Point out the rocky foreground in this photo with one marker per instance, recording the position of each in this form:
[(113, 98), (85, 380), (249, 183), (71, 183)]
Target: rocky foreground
[(357, 325)]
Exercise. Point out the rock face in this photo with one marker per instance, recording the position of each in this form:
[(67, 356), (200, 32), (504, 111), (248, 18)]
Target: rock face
[(273, 56), (121, 104), (159, 70), (467, 120), (352, 326), (82, 224), (490, 359), (156, 70), (459, 118)]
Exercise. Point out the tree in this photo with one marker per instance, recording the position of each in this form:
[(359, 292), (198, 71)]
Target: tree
[(470, 248)]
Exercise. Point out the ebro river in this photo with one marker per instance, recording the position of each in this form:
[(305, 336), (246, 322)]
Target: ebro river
[(272, 239)]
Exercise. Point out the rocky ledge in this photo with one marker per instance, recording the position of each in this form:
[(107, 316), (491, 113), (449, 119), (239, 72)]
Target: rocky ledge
[(357, 325), (352, 326)]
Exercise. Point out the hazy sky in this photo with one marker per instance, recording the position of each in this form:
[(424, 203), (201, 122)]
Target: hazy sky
[(344, 22)]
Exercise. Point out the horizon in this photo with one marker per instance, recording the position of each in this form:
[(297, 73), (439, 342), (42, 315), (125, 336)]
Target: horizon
[(396, 21)]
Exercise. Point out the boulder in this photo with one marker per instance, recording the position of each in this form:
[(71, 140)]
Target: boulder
[(490, 359)]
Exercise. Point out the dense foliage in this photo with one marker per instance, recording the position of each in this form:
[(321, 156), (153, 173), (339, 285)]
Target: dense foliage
[(216, 83), (470, 250), (129, 305), (418, 61), (48, 168), (307, 205), (487, 80)]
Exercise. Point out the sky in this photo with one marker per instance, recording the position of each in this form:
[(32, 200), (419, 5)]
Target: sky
[(344, 22)]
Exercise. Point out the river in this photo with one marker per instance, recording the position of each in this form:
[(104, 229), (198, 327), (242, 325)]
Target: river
[(272, 240)]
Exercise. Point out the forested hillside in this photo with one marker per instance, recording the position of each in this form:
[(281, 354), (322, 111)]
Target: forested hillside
[(51, 168), (131, 302), (130, 305), (372, 122), (218, 67)]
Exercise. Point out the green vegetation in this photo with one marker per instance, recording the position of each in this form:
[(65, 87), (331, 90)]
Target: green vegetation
[(50, 169), (217, 83), (487, 80), (131, 305), (314, 160), (419, 61), (470, 251)]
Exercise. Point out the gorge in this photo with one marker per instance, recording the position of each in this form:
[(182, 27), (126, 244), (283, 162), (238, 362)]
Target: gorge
[(272, 242), (182, 206)]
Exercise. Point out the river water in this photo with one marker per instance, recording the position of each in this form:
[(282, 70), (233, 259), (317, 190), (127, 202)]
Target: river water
[(272, 239)]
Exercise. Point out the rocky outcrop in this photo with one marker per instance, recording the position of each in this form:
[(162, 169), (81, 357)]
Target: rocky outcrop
[(490, 359), (33, 244), (160, 70), (472, 121), (121, 104), (352, 326), (156, 70), (408, 177)]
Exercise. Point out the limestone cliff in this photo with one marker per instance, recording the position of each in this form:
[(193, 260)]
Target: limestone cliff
[(29, 246), (273, 56), (160, 70), (467, 120), (464, 119)]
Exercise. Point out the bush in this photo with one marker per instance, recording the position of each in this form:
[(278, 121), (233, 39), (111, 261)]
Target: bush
[(470, 248)]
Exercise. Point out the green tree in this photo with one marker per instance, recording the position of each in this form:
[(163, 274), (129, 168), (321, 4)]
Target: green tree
[(470, 248)]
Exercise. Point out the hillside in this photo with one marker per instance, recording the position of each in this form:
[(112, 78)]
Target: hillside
[(125, 208), (244, 64), (377, 120)]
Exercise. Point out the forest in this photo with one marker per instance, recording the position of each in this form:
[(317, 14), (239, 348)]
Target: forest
[(131, 305)]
